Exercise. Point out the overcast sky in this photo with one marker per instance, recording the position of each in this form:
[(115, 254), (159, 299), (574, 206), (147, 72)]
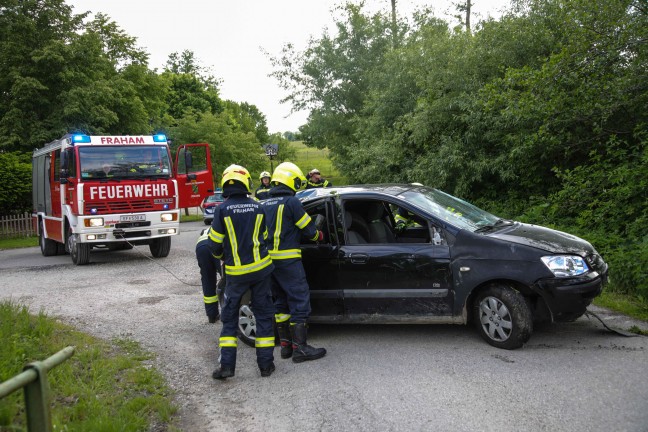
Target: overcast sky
[(228, 37)]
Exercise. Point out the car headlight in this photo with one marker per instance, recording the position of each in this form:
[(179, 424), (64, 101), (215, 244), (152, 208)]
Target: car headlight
[(565, 265)]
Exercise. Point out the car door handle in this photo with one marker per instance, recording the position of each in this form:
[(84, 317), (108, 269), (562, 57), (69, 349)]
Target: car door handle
[(358, 258)]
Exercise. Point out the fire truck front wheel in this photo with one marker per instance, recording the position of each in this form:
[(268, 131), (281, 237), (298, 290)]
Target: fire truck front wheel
[(79, 252), (48, 247), (160, 247)]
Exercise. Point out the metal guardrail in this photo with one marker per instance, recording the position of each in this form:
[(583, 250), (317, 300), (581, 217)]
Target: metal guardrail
[(34, 379)]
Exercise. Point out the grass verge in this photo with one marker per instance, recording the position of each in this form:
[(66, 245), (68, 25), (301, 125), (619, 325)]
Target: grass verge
[(19, 242), (625, 304), (308, 158), (102, 387)]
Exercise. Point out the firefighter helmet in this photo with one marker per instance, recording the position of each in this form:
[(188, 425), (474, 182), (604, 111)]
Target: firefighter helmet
[(236, 173), (289, 174), (264, 174)]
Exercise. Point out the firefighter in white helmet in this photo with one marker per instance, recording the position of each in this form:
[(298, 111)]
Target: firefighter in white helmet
[(262, 191)]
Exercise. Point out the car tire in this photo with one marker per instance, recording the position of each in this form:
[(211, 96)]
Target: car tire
[(207, 221), (502, 317), (160, 247), (48, 247)]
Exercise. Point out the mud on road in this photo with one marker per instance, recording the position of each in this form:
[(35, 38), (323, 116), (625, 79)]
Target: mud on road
[(574, 376)]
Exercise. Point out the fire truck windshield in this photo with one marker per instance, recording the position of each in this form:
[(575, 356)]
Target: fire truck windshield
[(120, 162)]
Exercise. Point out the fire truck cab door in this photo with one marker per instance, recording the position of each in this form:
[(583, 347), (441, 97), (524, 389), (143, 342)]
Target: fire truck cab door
[(194, 174)]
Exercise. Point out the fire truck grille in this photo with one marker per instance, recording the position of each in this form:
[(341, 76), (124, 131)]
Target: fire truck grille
[(108, 207)]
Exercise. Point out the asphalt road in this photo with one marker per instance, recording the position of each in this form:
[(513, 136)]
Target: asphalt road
[(569, 377)]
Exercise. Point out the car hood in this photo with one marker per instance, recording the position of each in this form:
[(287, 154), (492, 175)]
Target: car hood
[(544, 238)]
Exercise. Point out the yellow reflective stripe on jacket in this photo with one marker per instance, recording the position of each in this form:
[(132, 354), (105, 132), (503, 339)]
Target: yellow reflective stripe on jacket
[(232, 238), (285, 254), (227, 341), (237, 270), (210, 300), (316, 236), (255, 238), (264, 342), (305, 220), (400, 218), (282, 317), (216, 236), (277, 232), (204, 235)]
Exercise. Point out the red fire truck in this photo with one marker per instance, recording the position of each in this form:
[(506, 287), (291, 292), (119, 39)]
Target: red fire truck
[(114, 192)]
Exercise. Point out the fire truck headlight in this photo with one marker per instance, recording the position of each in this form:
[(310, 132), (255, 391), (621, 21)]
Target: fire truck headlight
[(168, 217), (94, 222)]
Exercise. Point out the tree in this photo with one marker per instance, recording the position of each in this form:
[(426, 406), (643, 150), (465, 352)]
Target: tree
[(15, 176)]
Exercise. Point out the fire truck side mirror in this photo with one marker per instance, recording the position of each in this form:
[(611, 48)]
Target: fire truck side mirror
[(188, 160), (64, 168)]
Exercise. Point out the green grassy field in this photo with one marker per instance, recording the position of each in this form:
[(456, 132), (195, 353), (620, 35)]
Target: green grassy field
[(309, 158), (107, 386)]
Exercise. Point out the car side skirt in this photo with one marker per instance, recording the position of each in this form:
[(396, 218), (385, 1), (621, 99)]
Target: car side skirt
[(386, 319)]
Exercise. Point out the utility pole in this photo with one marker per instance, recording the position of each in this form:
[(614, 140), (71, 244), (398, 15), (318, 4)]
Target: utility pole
[(394, 27)]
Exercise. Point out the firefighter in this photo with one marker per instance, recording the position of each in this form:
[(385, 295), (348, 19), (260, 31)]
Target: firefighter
[(263, 189), (238, 234), (405, 218), (210, 266), (287, 222), (315, 180)]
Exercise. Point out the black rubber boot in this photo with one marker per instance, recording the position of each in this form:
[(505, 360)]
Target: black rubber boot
[(223, 372), (286, 340), (266, 372), (301, 350)]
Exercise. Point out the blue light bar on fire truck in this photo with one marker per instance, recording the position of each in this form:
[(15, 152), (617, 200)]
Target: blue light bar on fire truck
[(78, 138), (161, 138)]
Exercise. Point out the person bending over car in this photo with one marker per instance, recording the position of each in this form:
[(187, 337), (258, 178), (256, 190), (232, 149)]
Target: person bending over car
[(210, 266), (287, 222)]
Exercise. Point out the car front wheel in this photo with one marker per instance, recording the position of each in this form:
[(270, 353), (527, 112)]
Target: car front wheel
[(503, 317)]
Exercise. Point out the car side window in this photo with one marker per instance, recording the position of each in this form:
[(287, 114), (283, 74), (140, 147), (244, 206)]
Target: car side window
[(367, 221), (319, 215)]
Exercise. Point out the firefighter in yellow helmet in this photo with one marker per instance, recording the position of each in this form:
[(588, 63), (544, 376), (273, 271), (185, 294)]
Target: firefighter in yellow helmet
[(238, 234), (263, 189), (287, 223)]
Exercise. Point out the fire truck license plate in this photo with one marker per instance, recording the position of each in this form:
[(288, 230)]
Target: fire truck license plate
[(132, 218)]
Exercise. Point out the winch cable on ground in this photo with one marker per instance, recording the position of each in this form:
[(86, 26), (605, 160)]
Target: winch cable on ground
[(157, 263), (617, 331)]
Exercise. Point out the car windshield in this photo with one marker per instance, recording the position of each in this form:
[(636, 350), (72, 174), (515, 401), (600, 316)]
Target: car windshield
[(124, 162), (217, 197), (454, 210)]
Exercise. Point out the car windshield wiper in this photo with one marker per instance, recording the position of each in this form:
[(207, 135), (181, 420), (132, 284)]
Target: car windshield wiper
[(498, 223)]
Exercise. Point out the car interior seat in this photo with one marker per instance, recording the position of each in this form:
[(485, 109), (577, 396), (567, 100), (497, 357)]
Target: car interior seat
[(353, 236), (359, 225), (379, 229)]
